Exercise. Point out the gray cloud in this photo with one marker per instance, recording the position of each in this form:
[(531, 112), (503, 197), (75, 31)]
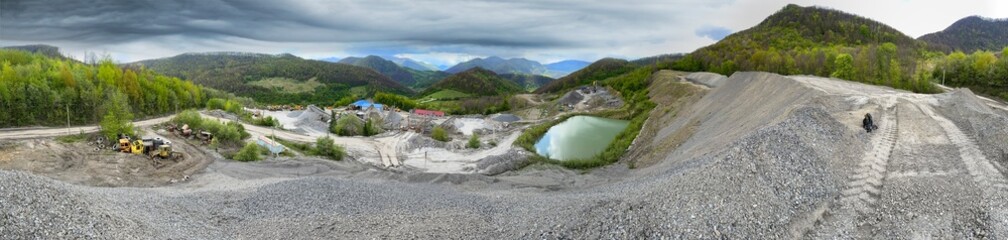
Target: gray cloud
[(448, 30)]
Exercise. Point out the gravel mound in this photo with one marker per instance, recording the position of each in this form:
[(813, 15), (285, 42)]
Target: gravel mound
[(493, 165), (313, 119), (711, 80), (572, 97), (988, 129), (504, 117), (40, 208), (392, 120)]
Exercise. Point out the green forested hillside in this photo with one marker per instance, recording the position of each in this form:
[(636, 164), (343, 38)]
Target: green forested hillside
[(385, 67), (527, 81), (502, 66), (984, 72), (39, 90), (45, 50), (233, 72), (818, 41), (597, 71), (478, 82), (971, 34), (425, 79)]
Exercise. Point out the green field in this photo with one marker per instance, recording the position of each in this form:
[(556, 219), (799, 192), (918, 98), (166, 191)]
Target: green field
[(288, 85), (445, 94)]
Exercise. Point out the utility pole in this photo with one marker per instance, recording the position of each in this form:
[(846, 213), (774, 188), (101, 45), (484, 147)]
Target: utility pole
[(68, 118)]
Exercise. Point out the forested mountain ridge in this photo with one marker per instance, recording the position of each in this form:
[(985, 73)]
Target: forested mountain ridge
[(37, 89), (415, 79), (478, 82), (599, 70), (413, 64), (280, 78), (46, 50), (385, 67), (502, 66), (971, 34), (817, 41)]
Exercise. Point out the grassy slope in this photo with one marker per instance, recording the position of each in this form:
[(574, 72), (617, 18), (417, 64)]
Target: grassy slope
[(232, 72)]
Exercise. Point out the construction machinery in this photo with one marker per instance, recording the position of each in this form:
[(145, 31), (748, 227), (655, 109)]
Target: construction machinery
[(124, 143), (150, 147), (204, 137)]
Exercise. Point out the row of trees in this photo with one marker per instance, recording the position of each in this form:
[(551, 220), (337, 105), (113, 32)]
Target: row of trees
[(982, 71), (40, 90), (883, 64), (399, 101)]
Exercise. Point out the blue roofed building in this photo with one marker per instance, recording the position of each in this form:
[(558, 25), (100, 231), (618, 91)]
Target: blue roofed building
[(365, 104)]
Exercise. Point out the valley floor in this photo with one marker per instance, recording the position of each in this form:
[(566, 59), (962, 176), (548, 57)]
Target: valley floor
[(756, 156)]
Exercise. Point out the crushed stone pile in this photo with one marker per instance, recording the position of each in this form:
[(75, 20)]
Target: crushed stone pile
[(313, 119), (35, 207), (504, 117), (572, 97)]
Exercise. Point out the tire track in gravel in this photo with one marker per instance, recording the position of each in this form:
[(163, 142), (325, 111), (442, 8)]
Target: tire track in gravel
[(978, 166), (863, 189), (838, 218), (991, 183)]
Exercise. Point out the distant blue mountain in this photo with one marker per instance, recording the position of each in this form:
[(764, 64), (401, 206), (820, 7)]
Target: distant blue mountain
[(567, 66), (412, 64), (331, 59)]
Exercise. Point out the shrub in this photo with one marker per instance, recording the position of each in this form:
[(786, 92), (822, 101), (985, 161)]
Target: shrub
[(228, 133), (372, 127), (267, 121), (439, 134), (248, 153), (348, 125), (474, 141), (325, 147)]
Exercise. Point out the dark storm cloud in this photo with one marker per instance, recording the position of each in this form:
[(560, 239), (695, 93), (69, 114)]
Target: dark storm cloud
[(100, 21), (157, 28)]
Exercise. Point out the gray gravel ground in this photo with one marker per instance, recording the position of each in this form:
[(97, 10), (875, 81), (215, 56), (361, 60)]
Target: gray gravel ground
[(744, 175)]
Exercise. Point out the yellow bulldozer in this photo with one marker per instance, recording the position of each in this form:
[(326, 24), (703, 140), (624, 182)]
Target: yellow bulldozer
[(153, 148)]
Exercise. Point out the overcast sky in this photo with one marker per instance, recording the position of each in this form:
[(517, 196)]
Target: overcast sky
[(440, 32)]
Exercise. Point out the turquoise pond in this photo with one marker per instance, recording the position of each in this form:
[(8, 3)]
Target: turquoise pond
[(579, 137)]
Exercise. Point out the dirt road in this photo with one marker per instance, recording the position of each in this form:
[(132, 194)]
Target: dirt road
[(56, 131)]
